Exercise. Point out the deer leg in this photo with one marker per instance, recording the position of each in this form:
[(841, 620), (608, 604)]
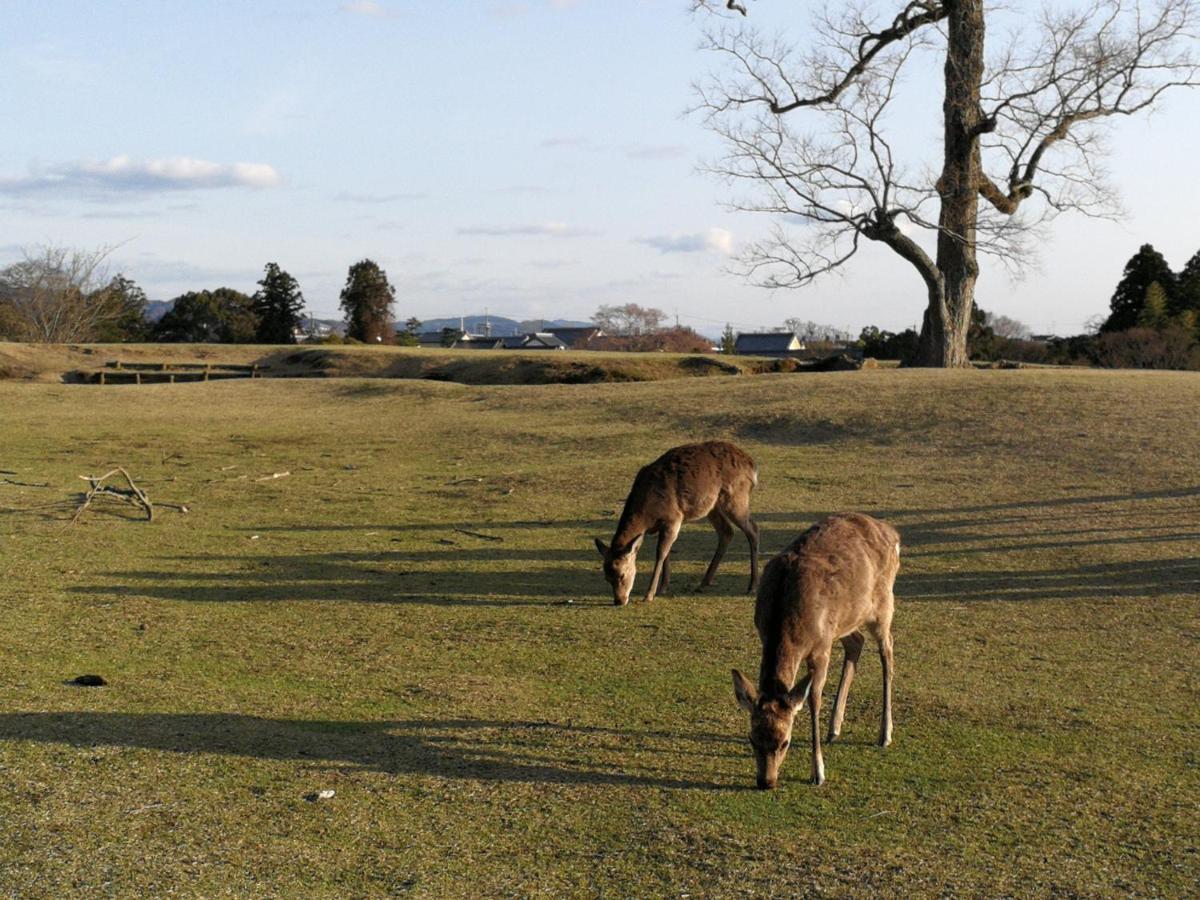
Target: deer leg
[(665, 586), (818, 668), (666, 538), (853, 644), (885, 656), (742, 520), (724, 533)]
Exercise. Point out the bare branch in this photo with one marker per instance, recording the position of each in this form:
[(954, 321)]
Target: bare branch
[(1047, 96)]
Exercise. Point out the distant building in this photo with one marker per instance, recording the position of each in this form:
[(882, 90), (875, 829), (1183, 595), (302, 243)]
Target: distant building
[(576, 338), (537, 340), (778, 344), (454, 339)]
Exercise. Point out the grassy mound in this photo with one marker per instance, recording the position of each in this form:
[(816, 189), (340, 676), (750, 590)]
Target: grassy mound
[(31, 362)]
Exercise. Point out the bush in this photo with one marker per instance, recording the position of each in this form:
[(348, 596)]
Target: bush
[(1148, 348)]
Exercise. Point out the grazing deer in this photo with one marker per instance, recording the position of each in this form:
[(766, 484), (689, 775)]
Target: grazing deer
[(712, 479), (833, 582)]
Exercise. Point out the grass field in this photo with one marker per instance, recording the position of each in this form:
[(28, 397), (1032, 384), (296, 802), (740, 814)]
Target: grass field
[(414, 617)]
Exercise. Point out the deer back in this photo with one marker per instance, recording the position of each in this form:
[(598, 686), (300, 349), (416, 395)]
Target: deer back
[(831, 580), (686, 483)]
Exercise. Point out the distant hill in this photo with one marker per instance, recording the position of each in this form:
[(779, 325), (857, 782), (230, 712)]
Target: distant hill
[(156, 309), (501, 326)]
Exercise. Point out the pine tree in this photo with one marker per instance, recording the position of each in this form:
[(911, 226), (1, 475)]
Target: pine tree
[(1187, 291), (1154, 313), (129, 313), (367, 302), (223, 316), (728, 339), (1144, 267), (279, 306)]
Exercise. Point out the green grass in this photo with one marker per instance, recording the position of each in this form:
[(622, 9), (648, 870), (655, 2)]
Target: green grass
[(492, 725)]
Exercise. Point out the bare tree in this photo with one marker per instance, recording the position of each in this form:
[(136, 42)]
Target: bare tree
[(629, 319), (815, 331), (1008, 327), (1022, 132), (60, 294)]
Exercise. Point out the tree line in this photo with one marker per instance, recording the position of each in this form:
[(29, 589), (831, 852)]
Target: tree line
[(61, 295)]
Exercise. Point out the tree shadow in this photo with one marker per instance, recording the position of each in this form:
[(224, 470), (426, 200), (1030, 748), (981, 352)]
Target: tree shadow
[(1148, 578), (499, 751), (485, 565), (468, 571)]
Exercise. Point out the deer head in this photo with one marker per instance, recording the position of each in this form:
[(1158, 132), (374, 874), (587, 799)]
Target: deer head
[(770, 724), (620, 567)]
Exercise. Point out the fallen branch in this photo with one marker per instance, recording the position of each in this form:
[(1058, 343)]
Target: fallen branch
[(133, 494), (274, 476), (465, 481)]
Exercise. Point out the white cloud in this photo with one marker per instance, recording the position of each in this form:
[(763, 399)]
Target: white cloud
[(714, 240), (121, 174), (547, 229)]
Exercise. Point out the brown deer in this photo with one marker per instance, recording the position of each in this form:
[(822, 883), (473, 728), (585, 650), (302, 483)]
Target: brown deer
[(712, 479), (833, 582)]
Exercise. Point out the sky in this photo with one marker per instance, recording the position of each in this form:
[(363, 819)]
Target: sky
[(535, 159)]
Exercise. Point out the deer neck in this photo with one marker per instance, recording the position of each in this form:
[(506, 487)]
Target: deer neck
[(631, 527), (780, 663)]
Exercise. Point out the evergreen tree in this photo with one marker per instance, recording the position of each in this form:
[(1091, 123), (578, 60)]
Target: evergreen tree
[(728, 339), (367, 302), (1144, 267), (1187, 291), (223, 316), (1154, 312), (128, 322), (279, 306)]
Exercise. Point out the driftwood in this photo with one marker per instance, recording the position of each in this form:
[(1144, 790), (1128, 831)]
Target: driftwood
[(131, 494)]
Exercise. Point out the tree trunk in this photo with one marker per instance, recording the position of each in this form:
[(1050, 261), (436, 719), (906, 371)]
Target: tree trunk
[(943, 340)]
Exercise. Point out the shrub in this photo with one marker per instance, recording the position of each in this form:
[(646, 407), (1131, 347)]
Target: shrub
[(1148, 348)]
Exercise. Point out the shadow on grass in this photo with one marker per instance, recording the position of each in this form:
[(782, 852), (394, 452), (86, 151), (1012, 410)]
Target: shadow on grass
[(485, 564), (1149, 578), (501, 751)]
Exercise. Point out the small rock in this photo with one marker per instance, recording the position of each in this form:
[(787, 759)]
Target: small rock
[(326, 794), (88, 681)]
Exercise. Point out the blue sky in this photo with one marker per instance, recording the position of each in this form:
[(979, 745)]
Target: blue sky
[(530, 157)]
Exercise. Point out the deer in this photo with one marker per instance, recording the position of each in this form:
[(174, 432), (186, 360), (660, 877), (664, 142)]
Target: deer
[(712, 479), (832, 583)]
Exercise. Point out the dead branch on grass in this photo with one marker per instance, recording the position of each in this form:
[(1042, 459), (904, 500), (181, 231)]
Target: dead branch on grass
[(132, 494)]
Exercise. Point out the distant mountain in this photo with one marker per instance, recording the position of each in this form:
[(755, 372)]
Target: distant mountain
[(156, 309), (500, 325)]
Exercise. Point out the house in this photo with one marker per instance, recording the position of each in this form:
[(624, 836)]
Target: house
[(537, 340), (576, 338), (778, 344), (453, 339)]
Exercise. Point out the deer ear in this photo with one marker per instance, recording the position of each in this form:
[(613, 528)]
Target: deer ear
[(799, 693), (602, 547), (744, 691)]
